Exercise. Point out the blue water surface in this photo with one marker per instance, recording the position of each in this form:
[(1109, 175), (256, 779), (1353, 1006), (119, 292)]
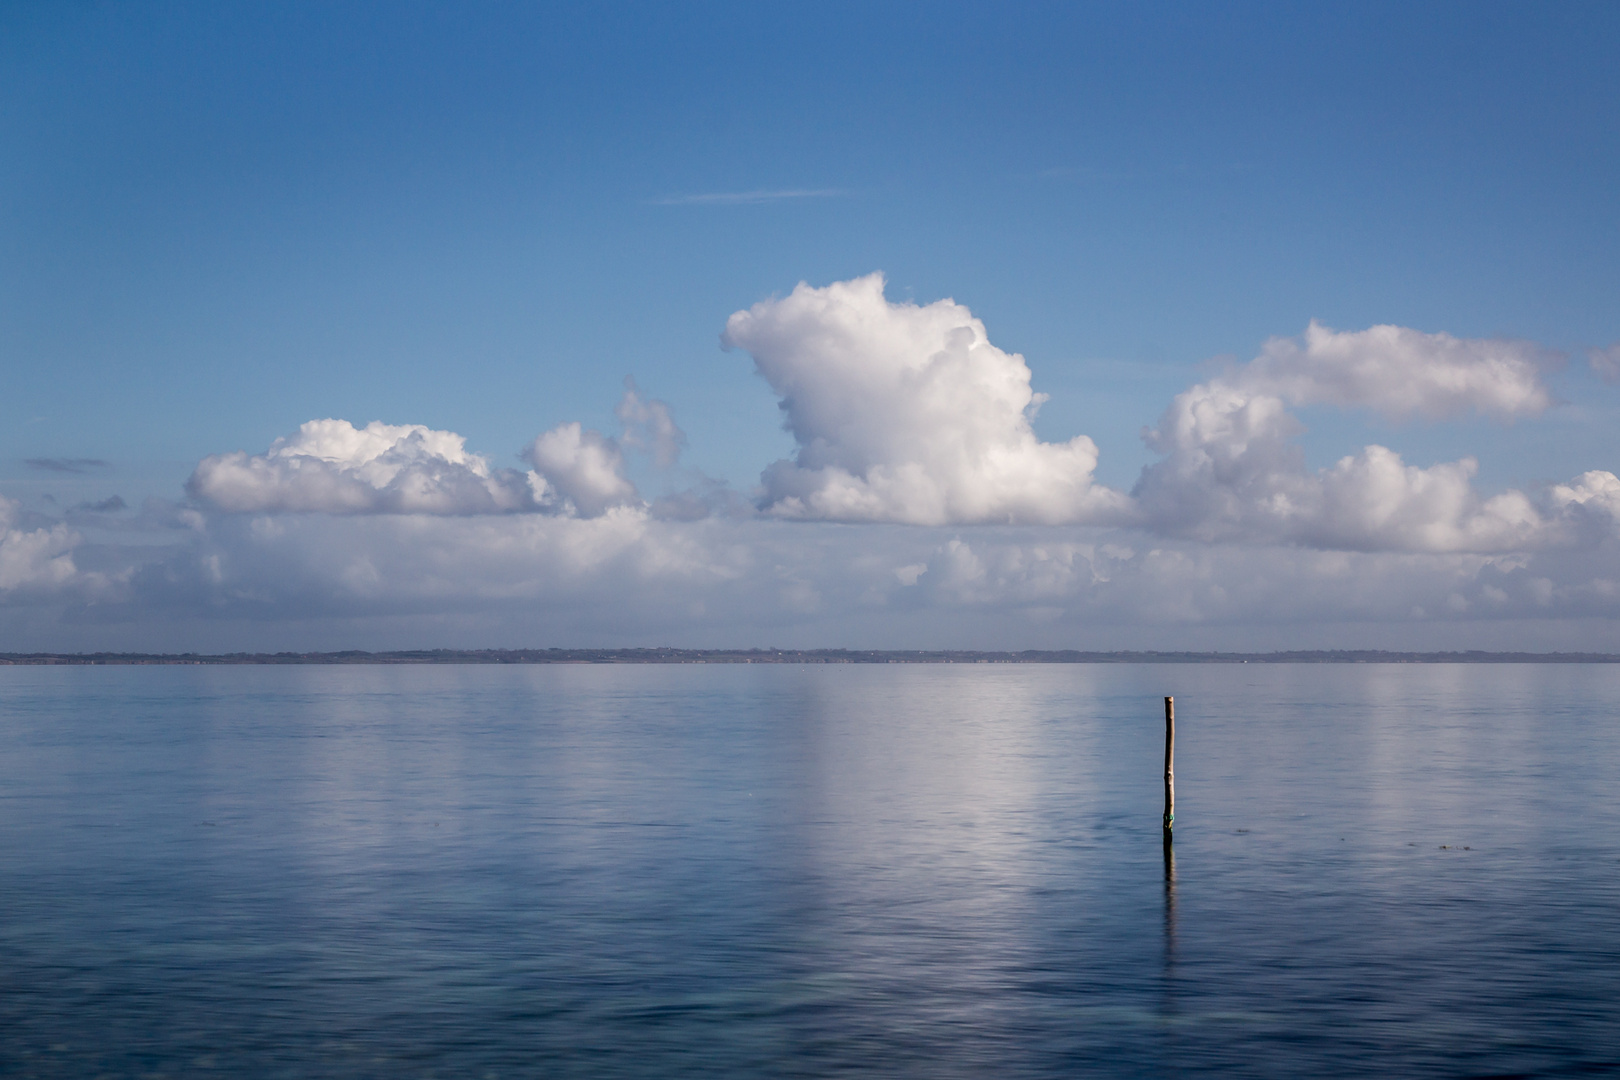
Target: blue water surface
[(763, 871)]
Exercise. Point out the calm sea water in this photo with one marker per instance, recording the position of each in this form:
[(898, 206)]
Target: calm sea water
[(739, 871)]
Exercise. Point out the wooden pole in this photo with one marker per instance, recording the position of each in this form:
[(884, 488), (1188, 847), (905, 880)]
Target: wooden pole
[(1169, 766)]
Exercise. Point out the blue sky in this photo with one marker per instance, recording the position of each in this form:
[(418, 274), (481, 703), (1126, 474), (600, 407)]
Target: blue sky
[(220, 222)]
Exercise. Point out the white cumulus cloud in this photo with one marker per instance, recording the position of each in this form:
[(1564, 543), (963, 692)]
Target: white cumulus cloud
[(35, 560), (1400, 373), (583, 469), (1233, 472), (1590, 504), (907, 413), (331, 466)]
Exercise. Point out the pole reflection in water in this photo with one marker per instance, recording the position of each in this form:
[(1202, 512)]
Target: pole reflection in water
[(1169, 901), (1169, 905), (1168, 1009)]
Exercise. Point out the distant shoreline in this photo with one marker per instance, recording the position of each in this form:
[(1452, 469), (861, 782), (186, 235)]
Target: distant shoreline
[(804, 656)]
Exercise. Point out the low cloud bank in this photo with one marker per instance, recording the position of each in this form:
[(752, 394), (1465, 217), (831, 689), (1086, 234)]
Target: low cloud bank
[(631, 567), (629, 577)]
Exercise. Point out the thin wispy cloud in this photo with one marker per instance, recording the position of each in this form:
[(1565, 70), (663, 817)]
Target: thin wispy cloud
[(1160, 172), (1085, 172), (1606, 362), (67, 465), (740, 198)]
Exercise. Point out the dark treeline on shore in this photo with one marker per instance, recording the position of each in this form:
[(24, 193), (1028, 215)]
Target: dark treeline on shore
[(811, 656)]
